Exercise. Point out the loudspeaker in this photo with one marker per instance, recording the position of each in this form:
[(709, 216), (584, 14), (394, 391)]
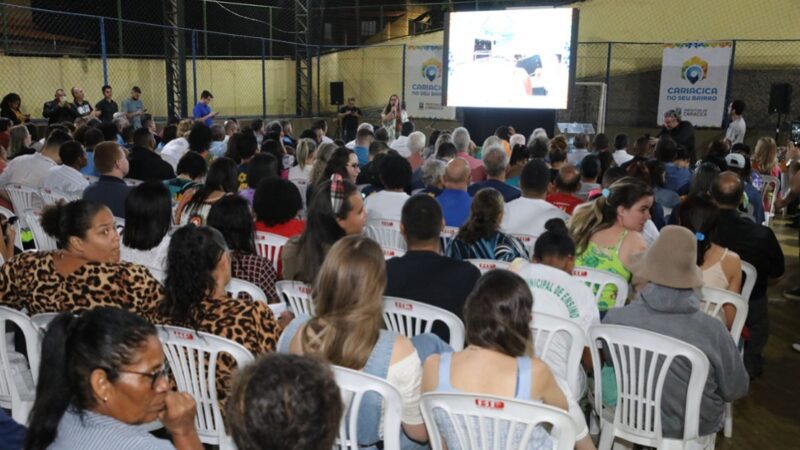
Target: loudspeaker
[(780, 98), (337, 93)]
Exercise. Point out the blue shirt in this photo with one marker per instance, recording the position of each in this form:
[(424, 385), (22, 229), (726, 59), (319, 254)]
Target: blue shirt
[(202, 110), (110, 191), (363, 155), (12, 434), (455, 206), (678, 178), (89, 169), (130, 106), (509, 192)]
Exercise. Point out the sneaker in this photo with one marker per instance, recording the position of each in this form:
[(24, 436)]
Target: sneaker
[(793, 294), (796, 347)]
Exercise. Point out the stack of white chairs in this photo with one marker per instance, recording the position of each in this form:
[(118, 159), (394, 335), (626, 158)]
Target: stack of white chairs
[(353, 385), (411, 318), (269, 245), (297, 296), (18, 397), (597, 280), (485, 265), (477, 420), (640, 386), (193, 356)]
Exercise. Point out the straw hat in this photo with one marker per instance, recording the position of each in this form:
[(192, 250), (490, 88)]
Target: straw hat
[(671, 261)]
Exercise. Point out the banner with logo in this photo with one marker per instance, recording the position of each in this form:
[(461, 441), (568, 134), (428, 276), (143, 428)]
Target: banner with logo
[(423, 89), (694, 79)]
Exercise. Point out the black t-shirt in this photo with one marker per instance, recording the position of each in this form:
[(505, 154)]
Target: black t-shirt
[(350, 122), (683, 135), (82, 109), (107, 110), (433, 279)]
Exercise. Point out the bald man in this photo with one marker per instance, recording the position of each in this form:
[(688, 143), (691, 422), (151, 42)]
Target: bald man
[(757, 245), (566, 184), (454, 199)]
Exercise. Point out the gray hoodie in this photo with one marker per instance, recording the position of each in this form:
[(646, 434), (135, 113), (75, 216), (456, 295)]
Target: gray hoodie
[(675, 313)]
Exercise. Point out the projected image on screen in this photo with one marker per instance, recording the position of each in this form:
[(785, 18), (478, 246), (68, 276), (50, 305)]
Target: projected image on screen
[(516, 58)]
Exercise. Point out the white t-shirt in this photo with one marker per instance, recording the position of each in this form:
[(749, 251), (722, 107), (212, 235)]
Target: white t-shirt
[(385, 205), (156, 257), (65, 179), (174, 151), (575, 157), (27, 170), (400, 145), (528, 216), (621, 157), (736, 130), (296, 173), (326, 140)]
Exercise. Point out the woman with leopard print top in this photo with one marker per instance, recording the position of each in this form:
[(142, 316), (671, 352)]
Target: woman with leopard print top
[(198, 269), (84, 274)]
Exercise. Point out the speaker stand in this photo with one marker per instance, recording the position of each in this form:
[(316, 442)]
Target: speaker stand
[(778, 127)]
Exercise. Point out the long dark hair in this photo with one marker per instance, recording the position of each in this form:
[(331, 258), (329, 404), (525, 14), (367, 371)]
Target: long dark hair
[(337, 163), (222, 176), (194, 253), (497, 314), (322, 230), (73, 347), (231, 216), (700, 214), (484, 215), (148, 215)]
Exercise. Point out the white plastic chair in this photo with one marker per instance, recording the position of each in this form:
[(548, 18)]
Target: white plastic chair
[(7, 213), (473, 415), (411, 318), (42, 320), (769, 190), (237, 286), (549, 334), (385, 232), (297, 296), (23, 197), (640, 385), (391, 252), (53, 196), (597, 280), (750, 277), (269, 246), (193, 355), (42, 240), (485, 265), (354, 385), (712, 303), (19, 402), (528, 240), (447, 235)]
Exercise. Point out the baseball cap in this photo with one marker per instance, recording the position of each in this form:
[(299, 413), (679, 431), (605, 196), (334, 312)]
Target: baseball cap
[(735, 160)]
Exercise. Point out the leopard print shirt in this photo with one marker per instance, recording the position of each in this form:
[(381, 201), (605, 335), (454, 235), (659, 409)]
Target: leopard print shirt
[(30, 281)]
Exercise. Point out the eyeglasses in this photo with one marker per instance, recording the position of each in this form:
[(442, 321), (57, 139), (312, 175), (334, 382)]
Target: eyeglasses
[(353, 165), (163, 373)]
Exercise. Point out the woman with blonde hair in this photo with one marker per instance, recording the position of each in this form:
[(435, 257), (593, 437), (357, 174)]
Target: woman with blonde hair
[(304, 156), (347, 331), (321, 156), (765, 158), (608, 231), (176, 148)]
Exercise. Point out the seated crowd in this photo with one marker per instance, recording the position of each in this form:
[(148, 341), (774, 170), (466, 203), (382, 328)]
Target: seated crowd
[(194, 202)]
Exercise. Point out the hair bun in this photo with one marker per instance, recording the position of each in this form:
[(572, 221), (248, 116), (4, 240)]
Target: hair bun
[(557, 226)]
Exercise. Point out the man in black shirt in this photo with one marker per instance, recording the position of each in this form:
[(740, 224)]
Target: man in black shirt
[(757, 245), (423, 274), (107, 107), (145, 163), (57, 110), (681, 131), (349, 115), (79, 106)]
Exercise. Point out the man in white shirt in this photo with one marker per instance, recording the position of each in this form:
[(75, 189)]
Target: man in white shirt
[(528, 214), (395, 174), (400, 145), (67, 177), (621, 155), (321, 128), (30, 170), (737, 127)]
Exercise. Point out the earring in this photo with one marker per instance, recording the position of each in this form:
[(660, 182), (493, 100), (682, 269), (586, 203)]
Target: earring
[(105, 399)]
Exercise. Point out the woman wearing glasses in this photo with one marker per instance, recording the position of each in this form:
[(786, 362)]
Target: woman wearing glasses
[(105, 375)]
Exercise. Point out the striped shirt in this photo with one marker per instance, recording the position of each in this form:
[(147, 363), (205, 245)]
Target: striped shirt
[(65, 179), (499, 246), (90, 430)]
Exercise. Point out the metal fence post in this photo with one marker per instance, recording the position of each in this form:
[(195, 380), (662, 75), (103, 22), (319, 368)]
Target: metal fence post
[(403, 76), (103, 50), (263, 79), (194, 66), (319, 77), (729, 88), (4, 14), (602, 126)]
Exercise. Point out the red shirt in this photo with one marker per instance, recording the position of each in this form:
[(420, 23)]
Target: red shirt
[(565, 202), (289, 229)]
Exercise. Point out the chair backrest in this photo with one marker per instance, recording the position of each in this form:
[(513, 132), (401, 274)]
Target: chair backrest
[(485, 265), (7, 213), (411, 318), (560, 342), (597, 280), (53, 196), (640, 383), (42, 320), (479, 420), (354, 385), (11, 397), (297, 296), (447, 235), (120, 223), (237, 286), (193, 355), (769, 191), (391, 252), (385, 232), (23, 197), (712, 301), (269, 246), (42, 240), (528, 240), (750, 277)]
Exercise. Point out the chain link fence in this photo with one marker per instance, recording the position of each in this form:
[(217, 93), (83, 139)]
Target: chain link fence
[(256, 76)]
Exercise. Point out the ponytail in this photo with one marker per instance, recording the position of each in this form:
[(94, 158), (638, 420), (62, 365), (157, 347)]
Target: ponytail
[(700, 214)]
